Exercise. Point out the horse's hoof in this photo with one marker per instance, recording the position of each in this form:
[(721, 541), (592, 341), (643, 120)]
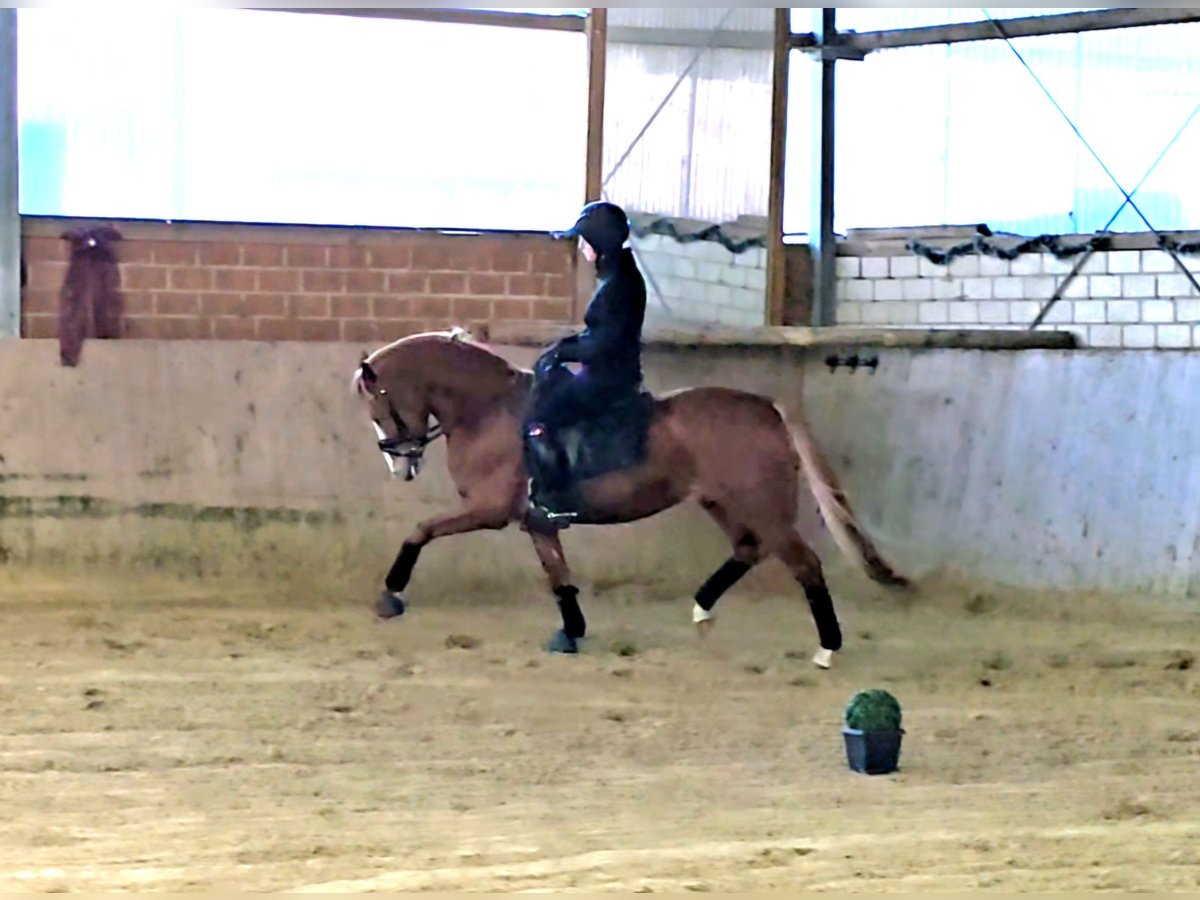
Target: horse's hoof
[(703, 619), (823, 658), (562, 643), (389, 605)]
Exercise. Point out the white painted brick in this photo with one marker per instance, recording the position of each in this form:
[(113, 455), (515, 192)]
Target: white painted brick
[(1122, 312), (888, 290), (1062, 313), (1104, 286), (1097, 264), (1052, 265), (991, 267), (1122, 262), (713, 252), (875, 314), (850, 313), (1089, 311), (927, 269), (1175, 286), (684, 268), (1158, 311), (964, 267), (993, 312), (1040, 287), (1077, 289), (651, 243), (1138, 286), (757, 279), (1137, 336), (1173, 336), (719, 294), (733, 276), (903, 267), (977, 288), (1196, 335), (758, 256), (857, 289), (1027, 264), (1008, 288), (1187, 310), (874, 267), (847, 267), (730, 316), (936, 313), (1023, 312), (946, 289), (917, 289), (747, 259), (965, 312), (1080, 332), (1104, 335), (1156, 261), (740, 298), (899, 312), (670, 285)]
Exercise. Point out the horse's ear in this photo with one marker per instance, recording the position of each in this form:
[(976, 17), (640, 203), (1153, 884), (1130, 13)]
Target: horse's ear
[(368, 374)]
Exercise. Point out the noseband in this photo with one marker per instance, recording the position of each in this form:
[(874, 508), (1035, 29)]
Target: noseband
[(408, 448)]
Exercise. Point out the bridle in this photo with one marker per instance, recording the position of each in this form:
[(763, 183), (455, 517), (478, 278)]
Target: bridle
[(410, 449)]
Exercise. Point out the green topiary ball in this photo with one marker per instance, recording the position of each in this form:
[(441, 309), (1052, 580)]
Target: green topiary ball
[(873, 710)]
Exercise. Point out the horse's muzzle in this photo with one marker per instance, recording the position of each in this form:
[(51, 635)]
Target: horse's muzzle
[(413, 457)]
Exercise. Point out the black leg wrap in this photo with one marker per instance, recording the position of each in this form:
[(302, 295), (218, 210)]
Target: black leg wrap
[(828, 630), (572, 616), (719, 582), (402, 568)]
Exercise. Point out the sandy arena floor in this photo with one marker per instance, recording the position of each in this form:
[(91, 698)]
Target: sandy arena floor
[(157, 736)]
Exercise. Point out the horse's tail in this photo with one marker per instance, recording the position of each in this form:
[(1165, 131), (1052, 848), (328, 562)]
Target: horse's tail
[(835, 509)]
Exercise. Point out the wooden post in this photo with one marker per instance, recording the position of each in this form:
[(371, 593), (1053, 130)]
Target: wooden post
[(776, 263), (597, 38)]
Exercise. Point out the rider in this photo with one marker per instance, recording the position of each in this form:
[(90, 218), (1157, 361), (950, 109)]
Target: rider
[(608, 351)]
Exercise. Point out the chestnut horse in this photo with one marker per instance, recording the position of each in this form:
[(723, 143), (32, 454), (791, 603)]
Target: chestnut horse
[(730, 451)]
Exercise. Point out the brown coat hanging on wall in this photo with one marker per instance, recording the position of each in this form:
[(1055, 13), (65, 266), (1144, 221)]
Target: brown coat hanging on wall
[(90, 303)]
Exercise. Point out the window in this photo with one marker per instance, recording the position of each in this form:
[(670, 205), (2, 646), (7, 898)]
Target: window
[(263, 116), (961, 134)]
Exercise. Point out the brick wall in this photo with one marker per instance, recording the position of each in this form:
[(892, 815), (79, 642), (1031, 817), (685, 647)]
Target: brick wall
[(1130, 296), (251, 282)]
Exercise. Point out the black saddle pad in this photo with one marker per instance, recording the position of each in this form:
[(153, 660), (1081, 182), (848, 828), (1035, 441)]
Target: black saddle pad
[(613, 440)]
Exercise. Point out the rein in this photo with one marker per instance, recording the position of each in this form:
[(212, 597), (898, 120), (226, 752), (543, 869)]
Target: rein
[(411, 449)]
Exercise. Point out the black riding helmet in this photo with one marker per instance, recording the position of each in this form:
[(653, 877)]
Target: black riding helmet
[(603, 225)]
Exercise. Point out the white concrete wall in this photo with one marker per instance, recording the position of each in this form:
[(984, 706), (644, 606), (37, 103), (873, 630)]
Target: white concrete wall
[(1040, 469), (1121, 298), (702, 282), (1072, 469)]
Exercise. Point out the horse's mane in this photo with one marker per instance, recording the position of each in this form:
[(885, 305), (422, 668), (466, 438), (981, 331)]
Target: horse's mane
[(451, 358)]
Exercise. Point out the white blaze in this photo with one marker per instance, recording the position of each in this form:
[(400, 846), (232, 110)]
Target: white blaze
[(391, 462)]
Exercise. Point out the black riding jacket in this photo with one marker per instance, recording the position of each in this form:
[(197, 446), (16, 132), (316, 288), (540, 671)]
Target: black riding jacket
[(610, 347)]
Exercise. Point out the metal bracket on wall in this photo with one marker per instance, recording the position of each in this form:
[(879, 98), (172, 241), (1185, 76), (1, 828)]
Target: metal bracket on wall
[(852, 362)]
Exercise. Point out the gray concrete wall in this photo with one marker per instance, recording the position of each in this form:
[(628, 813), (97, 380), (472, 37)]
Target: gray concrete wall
[(10, 220), (1060, 469)]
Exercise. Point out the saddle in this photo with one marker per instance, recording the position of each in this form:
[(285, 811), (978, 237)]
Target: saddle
[(613, 440)]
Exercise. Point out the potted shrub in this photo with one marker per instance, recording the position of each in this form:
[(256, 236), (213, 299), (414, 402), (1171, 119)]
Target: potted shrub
[(873, 732)]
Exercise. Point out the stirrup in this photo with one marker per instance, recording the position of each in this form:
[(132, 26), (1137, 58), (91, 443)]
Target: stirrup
[(538, 509)]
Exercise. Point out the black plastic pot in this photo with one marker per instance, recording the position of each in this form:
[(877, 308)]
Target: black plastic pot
[(873, 752)]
